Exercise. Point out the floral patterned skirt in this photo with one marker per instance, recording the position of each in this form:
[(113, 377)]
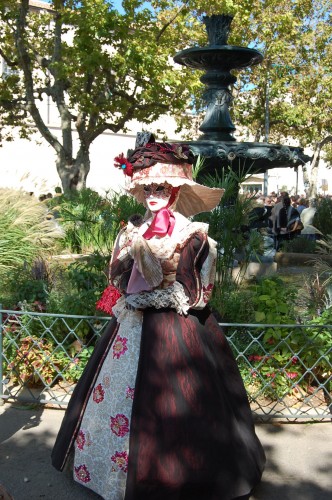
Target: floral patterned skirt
[(102, 442), (161, 413)]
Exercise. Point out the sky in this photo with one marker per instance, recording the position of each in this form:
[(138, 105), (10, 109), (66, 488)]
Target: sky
[(117, 3)]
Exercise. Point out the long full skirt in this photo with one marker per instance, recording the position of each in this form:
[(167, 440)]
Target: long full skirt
[(161, 413)]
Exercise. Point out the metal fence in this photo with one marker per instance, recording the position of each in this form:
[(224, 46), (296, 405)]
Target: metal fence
[(286, 369)]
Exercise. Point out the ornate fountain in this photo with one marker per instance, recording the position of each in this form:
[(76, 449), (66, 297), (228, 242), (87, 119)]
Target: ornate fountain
[(217, 143)]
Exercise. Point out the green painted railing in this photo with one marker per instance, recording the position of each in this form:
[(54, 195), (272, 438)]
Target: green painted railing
[(286, 369)]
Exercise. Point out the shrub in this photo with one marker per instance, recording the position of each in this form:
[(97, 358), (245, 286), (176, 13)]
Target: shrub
[(229, 225), (32, 363), (35, 361), (233, 305), (72, 368), (323, 216), (274, 302), (80, 286), (280, 356), (299, 245), (41, 350)]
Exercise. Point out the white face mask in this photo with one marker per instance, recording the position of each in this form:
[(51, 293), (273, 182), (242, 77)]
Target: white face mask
[(157, 196)]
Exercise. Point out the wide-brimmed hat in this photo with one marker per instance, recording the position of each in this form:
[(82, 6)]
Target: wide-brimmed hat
[(172, 163)]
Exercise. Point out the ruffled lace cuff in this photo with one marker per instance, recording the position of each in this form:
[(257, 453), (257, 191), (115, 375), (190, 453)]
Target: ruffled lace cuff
[(172, 296)]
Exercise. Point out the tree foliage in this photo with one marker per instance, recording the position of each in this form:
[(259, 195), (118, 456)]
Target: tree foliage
[(100, 67), (294, 82), (103, 67)]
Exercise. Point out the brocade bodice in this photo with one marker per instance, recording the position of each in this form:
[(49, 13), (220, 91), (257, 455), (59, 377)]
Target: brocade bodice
[(182, 264)]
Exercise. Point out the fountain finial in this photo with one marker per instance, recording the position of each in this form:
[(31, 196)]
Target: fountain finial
[(218, 27)]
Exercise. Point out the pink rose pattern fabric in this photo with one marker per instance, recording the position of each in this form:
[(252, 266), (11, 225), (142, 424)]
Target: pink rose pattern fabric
[(101, 455), (120, 425), (121, 461)]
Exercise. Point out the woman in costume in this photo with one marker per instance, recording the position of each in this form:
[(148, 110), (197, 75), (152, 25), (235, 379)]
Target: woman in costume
[(161, 412)]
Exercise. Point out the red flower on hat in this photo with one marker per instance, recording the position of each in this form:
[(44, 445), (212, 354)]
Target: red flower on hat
[(124, 164)]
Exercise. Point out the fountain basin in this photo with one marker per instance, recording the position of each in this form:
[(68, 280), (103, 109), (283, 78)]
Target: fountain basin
[(258, 157), (227, 57)]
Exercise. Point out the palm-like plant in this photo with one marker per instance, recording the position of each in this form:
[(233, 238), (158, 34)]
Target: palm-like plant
[(229, 227), (91, 221), (229, 223), (323, 267)]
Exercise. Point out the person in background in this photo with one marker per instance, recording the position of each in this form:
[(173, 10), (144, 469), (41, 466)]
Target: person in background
[(302, 205), (307, 217), (295, 200), (274, 218), (289, 222)]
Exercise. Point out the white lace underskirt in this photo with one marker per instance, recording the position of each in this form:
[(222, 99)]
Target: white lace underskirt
[(102, 444)]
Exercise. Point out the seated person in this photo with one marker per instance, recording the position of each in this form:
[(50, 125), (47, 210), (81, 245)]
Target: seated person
[(289, 222)]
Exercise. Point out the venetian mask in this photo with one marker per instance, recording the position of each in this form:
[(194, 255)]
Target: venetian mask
[(157, 195)]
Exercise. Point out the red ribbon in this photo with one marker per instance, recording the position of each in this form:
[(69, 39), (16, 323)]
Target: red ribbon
[(163, 223)]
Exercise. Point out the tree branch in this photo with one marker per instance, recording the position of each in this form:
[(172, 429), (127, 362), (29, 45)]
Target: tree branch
[(95, 131), (325, 141), (131, 99), (277, 122), (42, 61), (11, 64), (25, 64), (58, 90), (164, 28)]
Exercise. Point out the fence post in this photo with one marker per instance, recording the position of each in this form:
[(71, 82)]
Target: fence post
[(1, 358)]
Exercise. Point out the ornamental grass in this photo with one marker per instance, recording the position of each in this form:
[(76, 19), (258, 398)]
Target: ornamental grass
[(26, 231)]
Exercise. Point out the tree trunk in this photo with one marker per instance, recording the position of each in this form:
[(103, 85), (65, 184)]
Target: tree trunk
[(314, 167), (306, 179), (73, 173), (313, 191)]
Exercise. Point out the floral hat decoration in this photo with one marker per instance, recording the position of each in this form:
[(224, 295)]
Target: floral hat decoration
[(155, 163)]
